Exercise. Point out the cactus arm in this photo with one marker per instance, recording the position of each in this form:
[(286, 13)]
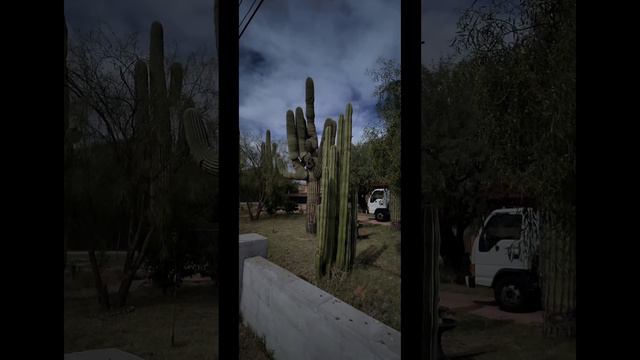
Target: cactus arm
[(292, 137), (199, 144), (311, 115), (301, 132)]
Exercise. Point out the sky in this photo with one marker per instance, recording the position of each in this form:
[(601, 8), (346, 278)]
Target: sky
[(335, 42)]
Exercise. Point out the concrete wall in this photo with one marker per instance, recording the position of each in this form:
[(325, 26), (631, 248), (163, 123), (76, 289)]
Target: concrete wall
[(250, 245), (300, 321)]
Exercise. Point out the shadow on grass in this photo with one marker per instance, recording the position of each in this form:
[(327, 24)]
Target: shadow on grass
[(368, 256)]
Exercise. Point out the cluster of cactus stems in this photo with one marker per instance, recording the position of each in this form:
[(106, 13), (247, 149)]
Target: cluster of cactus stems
[(157, 107), (66, 85), (431, 276), (337, 211), (67, 157), (394, 203)]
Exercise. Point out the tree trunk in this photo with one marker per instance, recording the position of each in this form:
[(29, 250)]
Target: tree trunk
[(313, 193), (101, 288), (125, 285), (258, 211), (249, 210)]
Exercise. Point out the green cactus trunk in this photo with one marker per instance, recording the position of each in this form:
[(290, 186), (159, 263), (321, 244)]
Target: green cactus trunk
[(344, 215), (313, 194), (431, 276), (67, 147), (395, 209), (323, 250), (156, 109)]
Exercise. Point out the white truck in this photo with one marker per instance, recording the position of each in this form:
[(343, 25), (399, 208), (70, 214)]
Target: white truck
[(378, 204), (504, 257)]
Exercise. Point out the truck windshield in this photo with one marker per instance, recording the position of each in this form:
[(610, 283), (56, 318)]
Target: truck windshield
[(500, 227), (376, 195)]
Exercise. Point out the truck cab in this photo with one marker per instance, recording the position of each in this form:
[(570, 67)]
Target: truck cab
[(504, 255), (378, 204)]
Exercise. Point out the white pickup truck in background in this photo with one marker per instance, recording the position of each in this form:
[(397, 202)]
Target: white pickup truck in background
[(504, 257), (378, 204)]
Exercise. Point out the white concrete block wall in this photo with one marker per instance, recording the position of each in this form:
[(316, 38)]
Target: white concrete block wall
[(250, 245), (300, 321)]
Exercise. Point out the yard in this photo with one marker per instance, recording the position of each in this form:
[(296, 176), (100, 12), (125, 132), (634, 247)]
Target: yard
[(374, 288), (144, 327), (374, 284)]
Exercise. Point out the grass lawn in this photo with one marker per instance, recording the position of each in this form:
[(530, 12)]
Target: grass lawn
[(374, 284)]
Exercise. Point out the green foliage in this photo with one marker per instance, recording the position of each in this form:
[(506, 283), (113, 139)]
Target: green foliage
[(381, 144), (501, 123), (262, 180)]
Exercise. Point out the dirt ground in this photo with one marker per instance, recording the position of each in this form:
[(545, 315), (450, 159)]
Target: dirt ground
[(145, 328)]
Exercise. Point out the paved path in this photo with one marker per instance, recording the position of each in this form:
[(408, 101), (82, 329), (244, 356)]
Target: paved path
[(483, 305), (369, 219)]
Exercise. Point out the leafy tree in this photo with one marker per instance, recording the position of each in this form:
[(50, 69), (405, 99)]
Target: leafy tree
[(523, 55)]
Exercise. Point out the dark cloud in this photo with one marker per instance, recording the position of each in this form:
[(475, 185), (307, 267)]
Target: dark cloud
[(334, 42), (188, 26)]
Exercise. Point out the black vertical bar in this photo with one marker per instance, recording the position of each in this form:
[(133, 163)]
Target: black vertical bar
[(412, 237), (228, 146)]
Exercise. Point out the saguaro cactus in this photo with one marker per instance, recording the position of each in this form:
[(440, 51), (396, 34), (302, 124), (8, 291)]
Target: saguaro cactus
[(67, 183), (305, 153), (337, 211), (155, 105)]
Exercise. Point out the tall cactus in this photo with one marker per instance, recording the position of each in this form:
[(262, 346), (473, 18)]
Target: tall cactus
[(304, 152), (345, 217), (337, 215), (67, 183), (431, 278), (155, 106)]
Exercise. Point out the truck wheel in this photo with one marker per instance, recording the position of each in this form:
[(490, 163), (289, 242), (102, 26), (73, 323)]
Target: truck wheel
[(380, 216), (511, 293)]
